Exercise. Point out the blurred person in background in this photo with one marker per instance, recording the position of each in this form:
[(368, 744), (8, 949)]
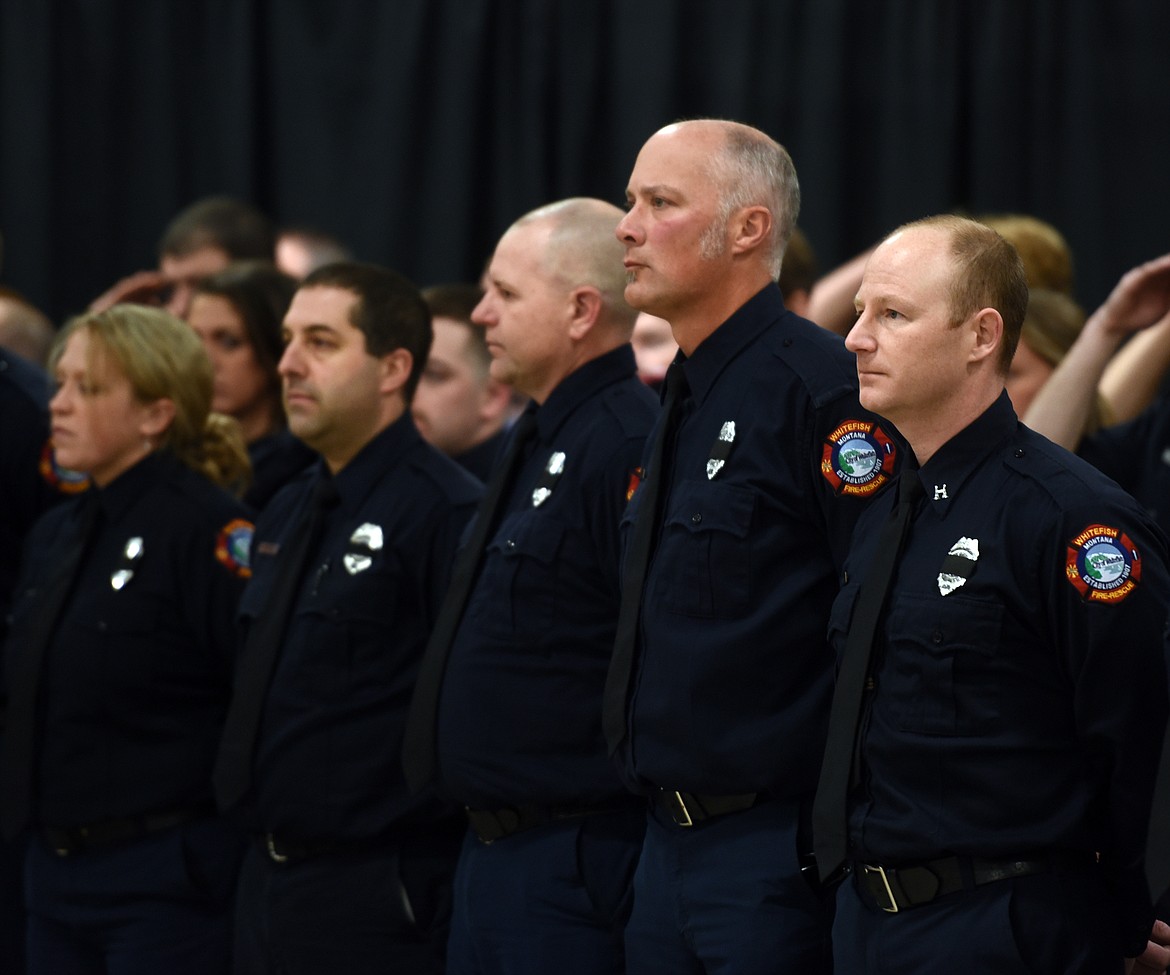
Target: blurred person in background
[(458, 406), (237, 314), (204, 238)]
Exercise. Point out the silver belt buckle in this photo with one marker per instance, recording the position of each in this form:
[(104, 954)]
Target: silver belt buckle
[(881, 872), (678, 809), (272, 851)]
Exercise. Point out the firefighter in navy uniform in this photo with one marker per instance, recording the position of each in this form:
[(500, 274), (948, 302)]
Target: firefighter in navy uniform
[(118, 662), (544, 878), (347, 871), (1010, 724), (722, 682)]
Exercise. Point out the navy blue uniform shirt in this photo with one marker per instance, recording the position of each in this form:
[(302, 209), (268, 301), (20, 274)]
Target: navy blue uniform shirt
[(1019, 674), (1137, 456), (327, 758), (137, 676), (520, 711), (774, 461)]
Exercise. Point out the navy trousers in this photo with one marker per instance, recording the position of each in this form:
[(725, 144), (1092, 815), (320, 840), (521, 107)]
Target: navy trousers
[(727, 897), (374, 911), (162, 903), (552, 900)]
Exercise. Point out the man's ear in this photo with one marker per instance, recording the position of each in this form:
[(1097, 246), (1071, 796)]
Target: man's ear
[(586, 307), (395, 367), (750, 229), (986, 334)]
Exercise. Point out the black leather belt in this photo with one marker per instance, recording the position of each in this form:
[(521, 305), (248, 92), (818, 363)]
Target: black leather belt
[(280, 850), (69, 840), (495, 824), (894, 889), (687, 808)]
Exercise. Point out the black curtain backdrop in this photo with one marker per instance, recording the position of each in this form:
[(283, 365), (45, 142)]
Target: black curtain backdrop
[(417, 130)]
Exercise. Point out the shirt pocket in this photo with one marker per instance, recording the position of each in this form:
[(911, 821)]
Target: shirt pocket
[(941, 671), (131, 657), (524, 554), (354, 624), (704, 560)]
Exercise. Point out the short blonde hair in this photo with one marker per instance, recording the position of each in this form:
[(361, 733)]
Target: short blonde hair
[(163, 358)]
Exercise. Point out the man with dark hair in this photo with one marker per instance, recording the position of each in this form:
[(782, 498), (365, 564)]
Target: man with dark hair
[(763, 459), (202, 239), (1001, 696), (458, 406), (349, 873)]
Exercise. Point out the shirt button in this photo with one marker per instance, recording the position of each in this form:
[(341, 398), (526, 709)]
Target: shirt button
[(696, 518), (936, 637), (510, 544), (1019, 452)]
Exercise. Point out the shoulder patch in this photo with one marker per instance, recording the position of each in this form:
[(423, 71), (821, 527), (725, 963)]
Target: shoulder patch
[(233, 547), (1103, 565), (635, 482), (858, 458), (60, 478)]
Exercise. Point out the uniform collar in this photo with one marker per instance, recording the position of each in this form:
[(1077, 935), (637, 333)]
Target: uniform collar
[(944, 474), (608, 368), (121, 495), (387, 450), (719, 348)]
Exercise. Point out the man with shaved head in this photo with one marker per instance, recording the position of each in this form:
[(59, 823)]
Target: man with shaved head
[(719, 691), (513, 722)]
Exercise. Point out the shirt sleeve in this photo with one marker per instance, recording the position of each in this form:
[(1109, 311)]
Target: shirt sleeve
[(1107, 603)]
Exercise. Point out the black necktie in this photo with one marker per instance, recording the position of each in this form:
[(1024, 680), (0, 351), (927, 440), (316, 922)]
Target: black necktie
[(233, 766), (20, 731), (418, 744), (830, 808), (652, 490)]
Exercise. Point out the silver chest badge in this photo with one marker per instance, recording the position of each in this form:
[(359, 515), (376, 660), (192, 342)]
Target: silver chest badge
[(552, 472), (721, 449), (131, 553), (363, 543), (959, 565)]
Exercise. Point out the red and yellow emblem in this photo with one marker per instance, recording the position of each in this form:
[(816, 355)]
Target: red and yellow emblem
[(233, 547), (60, 478), (635, 481), (858, 458), (1103, 565)]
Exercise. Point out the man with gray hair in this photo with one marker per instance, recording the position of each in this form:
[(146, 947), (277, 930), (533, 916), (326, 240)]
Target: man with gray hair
[(718, 695), (506, 716)]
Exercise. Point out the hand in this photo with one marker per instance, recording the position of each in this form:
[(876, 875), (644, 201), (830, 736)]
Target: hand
[(1139, 299), (1156, 958), (143, 288)]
